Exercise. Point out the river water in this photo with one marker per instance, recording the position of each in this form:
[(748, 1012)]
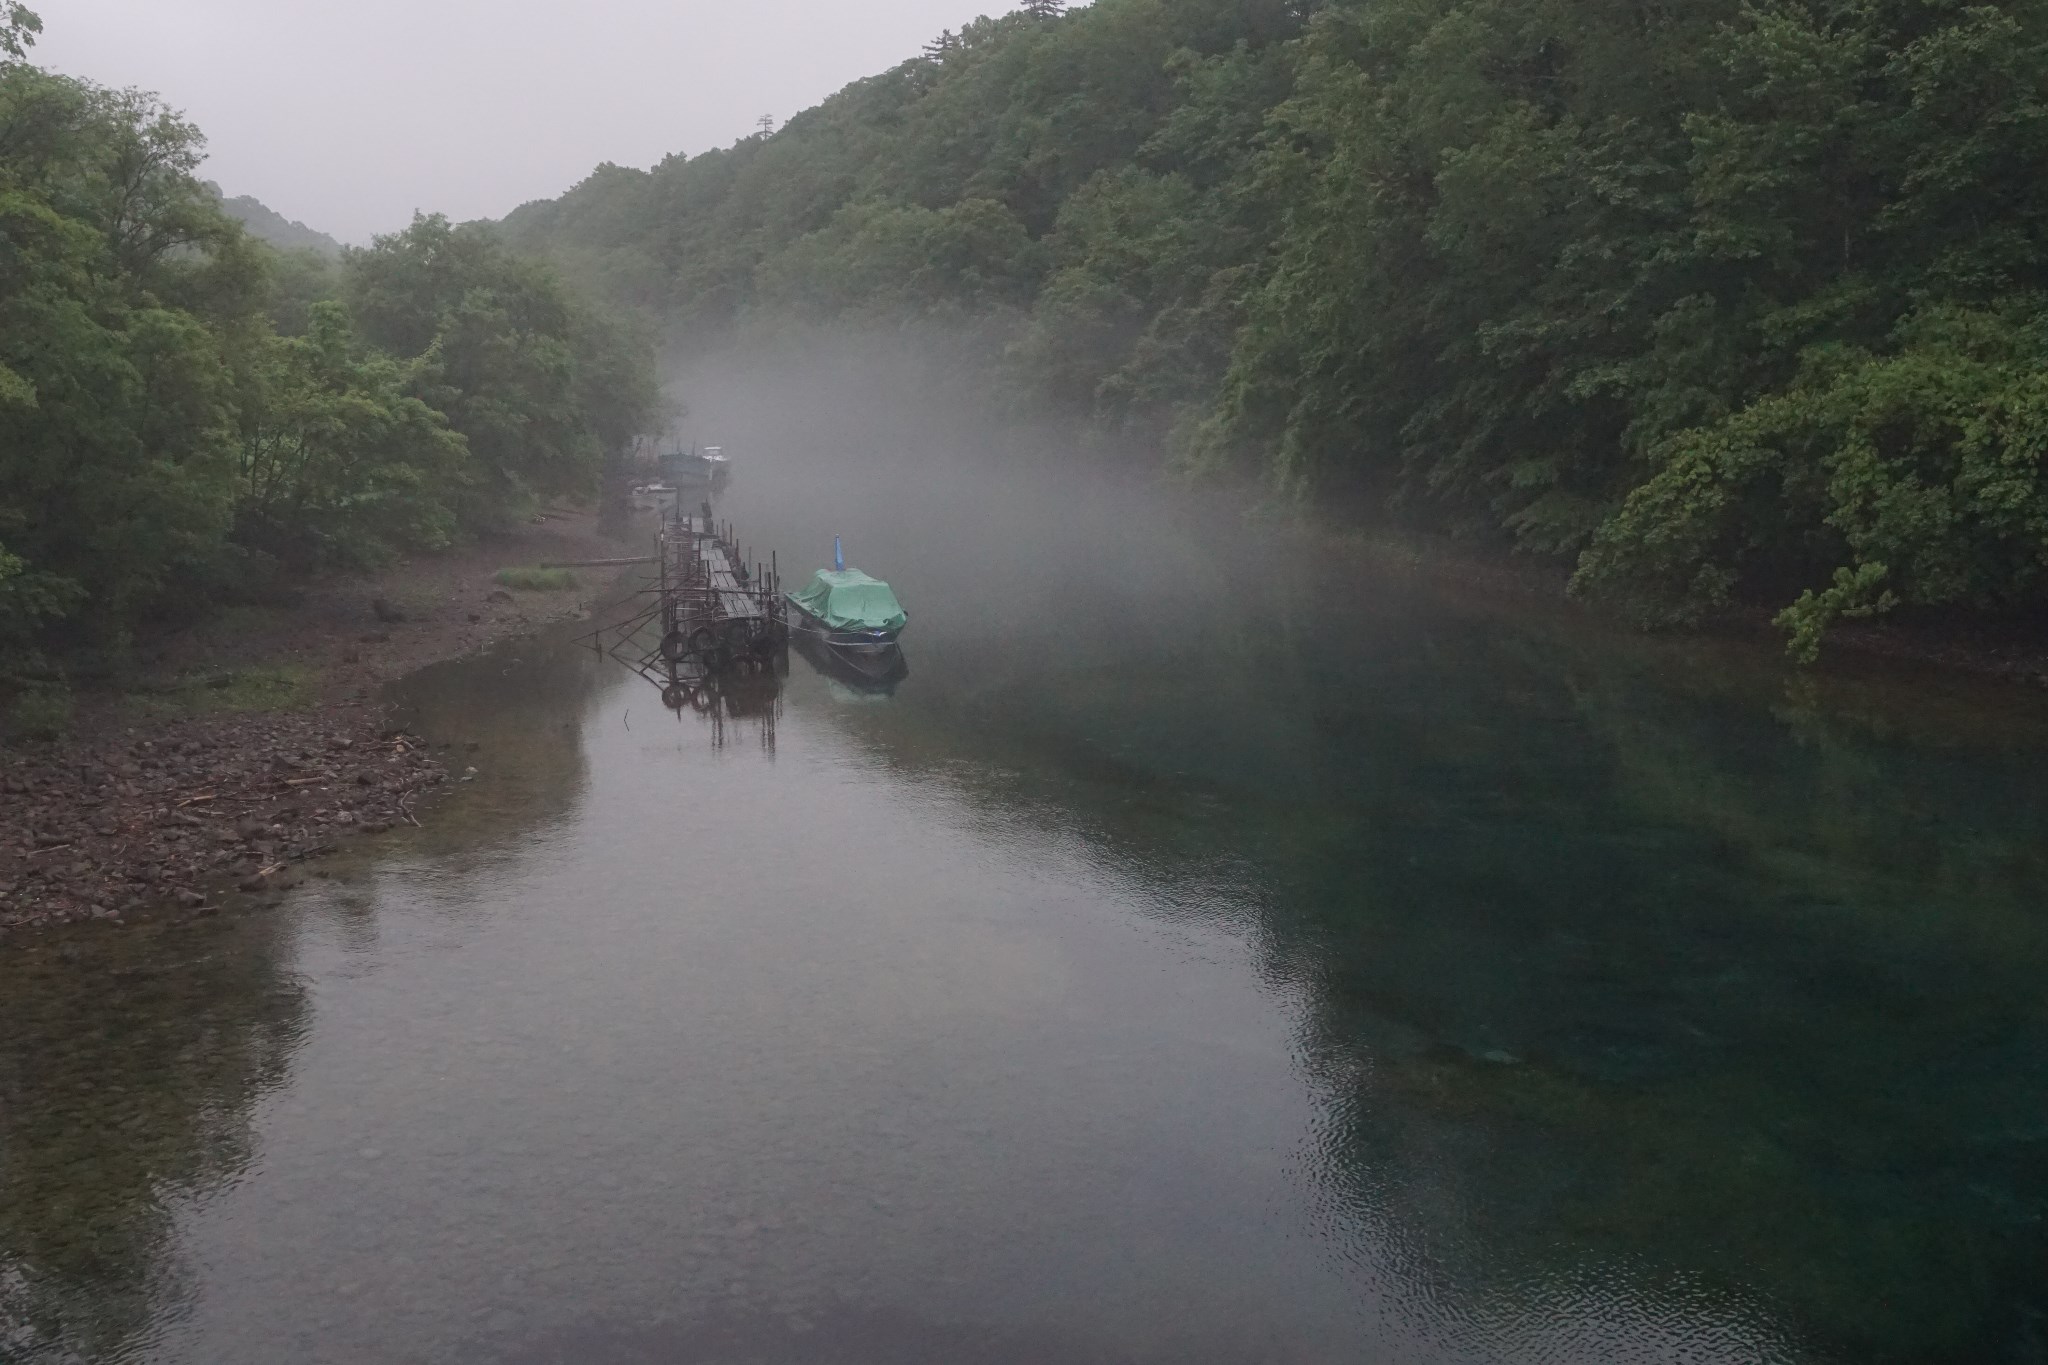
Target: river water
[(1210, 952)]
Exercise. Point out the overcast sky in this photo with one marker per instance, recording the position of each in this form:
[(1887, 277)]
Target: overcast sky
[(349, 114)]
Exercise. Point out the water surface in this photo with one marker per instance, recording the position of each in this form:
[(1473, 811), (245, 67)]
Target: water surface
[(1211, 952)]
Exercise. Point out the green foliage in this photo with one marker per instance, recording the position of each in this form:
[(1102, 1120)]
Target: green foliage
[(297, 281), (278, 688), (902, 261), (535, 385), (19, 26), (1738, 304), (537, 580), (27, 600), (40, 711), (1908, 478), (981, 183), (185, 411), (123, 312), (340, 465)]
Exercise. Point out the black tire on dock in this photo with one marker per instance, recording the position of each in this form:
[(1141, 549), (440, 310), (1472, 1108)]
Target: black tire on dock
[(674, 646), (676, 696), (704, 643)]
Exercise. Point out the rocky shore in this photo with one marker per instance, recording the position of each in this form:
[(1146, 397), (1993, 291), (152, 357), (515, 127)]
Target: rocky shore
[(141, 812), (195, 808)]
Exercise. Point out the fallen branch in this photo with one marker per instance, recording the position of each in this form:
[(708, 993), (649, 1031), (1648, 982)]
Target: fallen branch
[(195, 800)]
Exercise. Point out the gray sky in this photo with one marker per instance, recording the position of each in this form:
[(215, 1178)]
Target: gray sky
[(350, 114)]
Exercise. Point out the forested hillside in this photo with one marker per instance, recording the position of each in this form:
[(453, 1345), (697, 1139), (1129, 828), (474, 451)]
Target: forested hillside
[(187, 416), (266, 224), (1738, 301)]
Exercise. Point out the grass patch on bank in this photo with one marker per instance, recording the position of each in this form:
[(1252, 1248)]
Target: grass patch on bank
[(281, 687), (537, 580), (38, 713)]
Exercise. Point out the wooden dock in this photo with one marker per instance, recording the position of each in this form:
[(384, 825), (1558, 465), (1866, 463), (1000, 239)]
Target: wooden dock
[(717, 623)]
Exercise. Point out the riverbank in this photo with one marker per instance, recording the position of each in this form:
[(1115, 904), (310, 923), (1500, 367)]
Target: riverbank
[(254, 742), (1948, 643)]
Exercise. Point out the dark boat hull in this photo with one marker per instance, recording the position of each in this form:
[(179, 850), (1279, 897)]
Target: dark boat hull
[(870, 674), (852, 643)]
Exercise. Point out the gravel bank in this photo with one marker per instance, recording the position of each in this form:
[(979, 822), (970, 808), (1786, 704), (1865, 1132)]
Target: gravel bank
[(141, 814)]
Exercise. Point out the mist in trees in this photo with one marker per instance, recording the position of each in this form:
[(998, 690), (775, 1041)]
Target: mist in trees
[(185, 411), (1732, 303)]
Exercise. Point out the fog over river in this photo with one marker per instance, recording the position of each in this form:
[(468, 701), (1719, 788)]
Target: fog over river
[(1215, 950)]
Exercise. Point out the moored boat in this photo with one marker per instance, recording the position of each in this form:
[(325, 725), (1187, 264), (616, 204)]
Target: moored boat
[(866, 675), (849, 611), (709, 465)]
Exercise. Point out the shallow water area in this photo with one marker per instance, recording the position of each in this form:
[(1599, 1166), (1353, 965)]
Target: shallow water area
[(1211, 951)]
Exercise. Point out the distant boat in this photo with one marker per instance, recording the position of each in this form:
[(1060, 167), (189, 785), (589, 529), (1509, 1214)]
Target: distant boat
[(709, 465), (717, 464), (853, 613)]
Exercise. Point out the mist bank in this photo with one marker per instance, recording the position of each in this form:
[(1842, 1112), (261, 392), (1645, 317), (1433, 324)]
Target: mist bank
[(190, 418), (1729, 305)]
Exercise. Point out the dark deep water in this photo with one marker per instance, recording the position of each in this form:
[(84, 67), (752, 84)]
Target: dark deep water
[(1207, 954)]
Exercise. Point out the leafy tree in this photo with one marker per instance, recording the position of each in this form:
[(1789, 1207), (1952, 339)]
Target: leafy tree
[(340, 464), (19, 26), (297, 280), (179, 403), (1730, 303), (125, 302), (503, 350), (895, 262)]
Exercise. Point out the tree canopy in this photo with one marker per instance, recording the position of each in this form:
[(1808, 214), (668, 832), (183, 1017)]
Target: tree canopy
[(1730, 303), (184, 409)]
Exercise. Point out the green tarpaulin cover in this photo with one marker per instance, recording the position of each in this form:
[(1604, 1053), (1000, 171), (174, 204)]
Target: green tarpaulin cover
[(847, 599)]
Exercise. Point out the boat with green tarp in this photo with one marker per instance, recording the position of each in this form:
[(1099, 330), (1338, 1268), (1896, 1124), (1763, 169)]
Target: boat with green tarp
[(850, 611)]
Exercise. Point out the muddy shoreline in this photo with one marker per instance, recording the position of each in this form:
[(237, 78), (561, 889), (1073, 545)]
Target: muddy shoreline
[(255, 741)]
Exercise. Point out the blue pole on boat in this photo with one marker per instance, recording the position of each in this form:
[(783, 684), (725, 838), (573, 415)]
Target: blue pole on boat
[(838, 556)]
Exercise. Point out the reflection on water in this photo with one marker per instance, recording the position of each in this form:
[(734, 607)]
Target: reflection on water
[(128, 1066), (1204, 957), (1626, 997), (854, 677)]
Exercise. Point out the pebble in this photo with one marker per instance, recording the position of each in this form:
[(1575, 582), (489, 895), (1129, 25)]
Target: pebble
[(114, 827)]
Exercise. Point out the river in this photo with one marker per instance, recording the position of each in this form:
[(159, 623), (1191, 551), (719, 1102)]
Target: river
[(1212, 951)]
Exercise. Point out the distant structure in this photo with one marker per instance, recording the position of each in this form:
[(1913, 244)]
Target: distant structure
[(1043, 9), (766, 123)]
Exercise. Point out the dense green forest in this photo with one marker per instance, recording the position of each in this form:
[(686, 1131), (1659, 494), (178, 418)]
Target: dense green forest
[(188, 416), (1731, 303)]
